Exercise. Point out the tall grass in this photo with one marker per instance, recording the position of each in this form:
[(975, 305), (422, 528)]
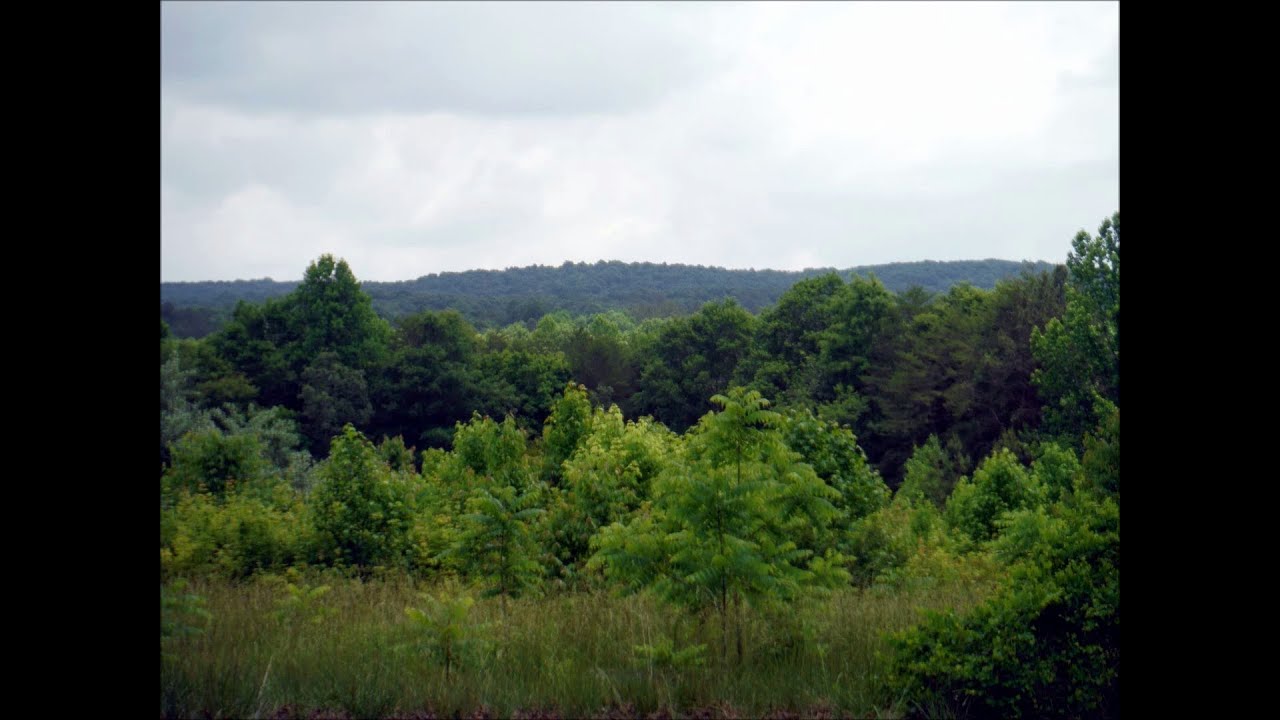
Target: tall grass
[(572, 654)]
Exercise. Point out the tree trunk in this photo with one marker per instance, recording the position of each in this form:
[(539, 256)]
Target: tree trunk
[(724, 626), (737, 611)]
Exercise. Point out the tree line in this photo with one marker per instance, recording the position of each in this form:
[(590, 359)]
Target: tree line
[(495, 298), (896, 368)]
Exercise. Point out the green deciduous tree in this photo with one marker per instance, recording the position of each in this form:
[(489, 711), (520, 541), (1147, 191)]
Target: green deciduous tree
[(688, 360), (492, 450), (605, 481), (719, 532), (256, 341), (213, 462), (565, 429), (430, 381), (999, 485), (362, 510), (1048, 643), (600, 357), (784, 362), (443, 630), (333, 395), (520, 383), (833, 452), (1079, 355), (333, 314), (860, 315)]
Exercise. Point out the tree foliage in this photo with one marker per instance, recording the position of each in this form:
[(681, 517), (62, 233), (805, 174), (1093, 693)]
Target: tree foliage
[(496, 543), (1079, 355), (719, 529), (362, 510), (999, 485)]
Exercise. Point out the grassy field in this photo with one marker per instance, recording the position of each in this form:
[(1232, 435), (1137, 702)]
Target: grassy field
[(573, 654)]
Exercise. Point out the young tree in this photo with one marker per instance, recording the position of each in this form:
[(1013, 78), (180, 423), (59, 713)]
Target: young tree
[(443, 631), (495, 543), (491, 450), (1000, 485), (213, 462), (834, 454), (931, 474), (362, 510), (564, 430), (605, 481), (718, 531)]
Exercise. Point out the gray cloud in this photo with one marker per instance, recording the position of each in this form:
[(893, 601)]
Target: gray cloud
[(417, 137), (554, 58)]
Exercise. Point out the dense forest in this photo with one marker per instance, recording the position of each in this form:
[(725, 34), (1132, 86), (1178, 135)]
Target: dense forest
[(495, 298), (852, 498)]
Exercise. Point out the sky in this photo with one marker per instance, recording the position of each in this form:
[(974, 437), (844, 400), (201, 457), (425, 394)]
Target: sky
[(422, 137)]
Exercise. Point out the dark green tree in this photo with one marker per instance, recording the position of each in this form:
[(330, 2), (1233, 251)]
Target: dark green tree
[(861, 316), (520, 383), (332, 395), (689, 360), (333, 314), (784, 362), (429, 383), (255, 342), (600, 358)]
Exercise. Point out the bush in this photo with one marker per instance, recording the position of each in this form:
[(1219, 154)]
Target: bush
[(363, 512), (232, 537), (998, 486), (209, 461), (1048, 645), (906, 543)]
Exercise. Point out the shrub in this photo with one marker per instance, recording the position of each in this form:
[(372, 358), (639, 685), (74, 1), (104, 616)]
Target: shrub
[(1048, 645), (998, 486), (362, 511), (233, 536)]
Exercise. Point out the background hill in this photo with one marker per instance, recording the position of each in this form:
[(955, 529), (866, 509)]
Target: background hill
[(489, 298)]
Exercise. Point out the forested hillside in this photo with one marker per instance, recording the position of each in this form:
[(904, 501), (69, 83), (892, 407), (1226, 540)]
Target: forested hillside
[(494, 298), (741, 507)]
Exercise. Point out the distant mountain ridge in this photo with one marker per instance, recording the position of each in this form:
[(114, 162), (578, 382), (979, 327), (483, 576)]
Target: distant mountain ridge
[(499, 297)]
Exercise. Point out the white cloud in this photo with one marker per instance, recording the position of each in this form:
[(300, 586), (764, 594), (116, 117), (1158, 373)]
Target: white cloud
[(744, 135)]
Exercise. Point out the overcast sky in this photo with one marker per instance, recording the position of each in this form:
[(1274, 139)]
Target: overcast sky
[(412, 138)]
